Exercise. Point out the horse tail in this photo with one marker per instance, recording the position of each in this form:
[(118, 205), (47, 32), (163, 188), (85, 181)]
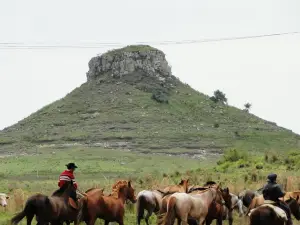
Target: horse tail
[(82, 209), (140, 208), (171, 212), (17, 218), (29, 209)]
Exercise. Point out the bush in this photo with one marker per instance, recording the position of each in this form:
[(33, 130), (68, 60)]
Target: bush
[(233, 155), (219, 96), (259, 166), (160, 97)]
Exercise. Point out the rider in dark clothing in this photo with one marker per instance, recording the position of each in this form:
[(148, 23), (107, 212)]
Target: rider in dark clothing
[(272, 191)]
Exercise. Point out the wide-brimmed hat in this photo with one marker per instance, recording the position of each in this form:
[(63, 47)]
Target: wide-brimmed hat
[(71, 165)]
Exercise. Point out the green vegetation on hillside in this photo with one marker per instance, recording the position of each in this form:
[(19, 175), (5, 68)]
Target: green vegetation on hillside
[(127, 112)]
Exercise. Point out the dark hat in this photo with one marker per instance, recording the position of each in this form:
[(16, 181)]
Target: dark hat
[(71, 165), (272, 177)]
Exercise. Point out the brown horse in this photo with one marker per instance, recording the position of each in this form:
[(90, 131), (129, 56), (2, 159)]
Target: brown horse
[(108, 208), (182, 206), (291, 194), (88, 202), (259, 200), (151, 201), (264, 215), (54, 209)]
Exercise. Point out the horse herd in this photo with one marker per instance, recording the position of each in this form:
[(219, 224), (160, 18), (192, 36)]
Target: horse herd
[(189, 205)]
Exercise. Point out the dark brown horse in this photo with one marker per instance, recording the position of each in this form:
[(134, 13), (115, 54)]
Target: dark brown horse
[(54, 209), (264, 215), (108, 208)]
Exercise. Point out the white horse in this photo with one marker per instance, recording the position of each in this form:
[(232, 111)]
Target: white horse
[(150, 201)]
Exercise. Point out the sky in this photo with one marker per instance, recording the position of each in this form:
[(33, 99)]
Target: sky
[(263, 71)]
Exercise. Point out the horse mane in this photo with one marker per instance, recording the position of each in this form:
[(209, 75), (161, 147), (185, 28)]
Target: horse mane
[(90, 190), (117, 186), (62, 189), (197, 189), (59, 192), (208, 183)]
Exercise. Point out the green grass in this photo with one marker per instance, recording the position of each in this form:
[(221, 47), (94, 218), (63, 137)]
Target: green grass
[(99, 167)]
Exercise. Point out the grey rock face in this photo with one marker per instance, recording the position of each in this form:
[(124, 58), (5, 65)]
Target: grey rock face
[(121, 63)]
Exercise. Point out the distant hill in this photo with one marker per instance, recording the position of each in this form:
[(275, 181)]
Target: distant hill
[(132, 100)]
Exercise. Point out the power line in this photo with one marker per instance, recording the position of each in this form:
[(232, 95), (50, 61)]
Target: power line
[(22, 45)]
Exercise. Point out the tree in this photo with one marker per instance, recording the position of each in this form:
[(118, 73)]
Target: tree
[(219, 96), (247, 106)]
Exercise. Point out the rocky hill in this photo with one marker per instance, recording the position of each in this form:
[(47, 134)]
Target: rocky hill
[(131, 100)]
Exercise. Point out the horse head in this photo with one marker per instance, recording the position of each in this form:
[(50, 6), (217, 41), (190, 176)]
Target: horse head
[(294, 206), (127, 191), (227, 197), (218, 193), (184, 184)]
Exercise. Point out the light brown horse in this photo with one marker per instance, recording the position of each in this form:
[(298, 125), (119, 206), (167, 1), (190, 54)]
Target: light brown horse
[(183, 186), (217, 210), (54, 209), (108, 208), (182, 206), (151, 201), (264, 215)]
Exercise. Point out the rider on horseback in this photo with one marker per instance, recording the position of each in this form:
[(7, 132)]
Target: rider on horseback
[(272, 191), (68, 175)]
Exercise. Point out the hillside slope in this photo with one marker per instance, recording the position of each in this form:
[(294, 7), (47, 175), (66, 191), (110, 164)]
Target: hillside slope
[(115, 108)]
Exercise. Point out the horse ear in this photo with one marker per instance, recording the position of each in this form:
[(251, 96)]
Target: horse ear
[(129, 183), (102, 189), (181, 182), (297, 198), (187, 181)]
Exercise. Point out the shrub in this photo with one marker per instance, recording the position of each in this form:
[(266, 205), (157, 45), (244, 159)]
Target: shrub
[(160, 97), (233, 155), (219, 96)]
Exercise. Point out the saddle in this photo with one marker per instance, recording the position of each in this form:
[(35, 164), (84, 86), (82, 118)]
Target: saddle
[(272, 205), (72, 203)]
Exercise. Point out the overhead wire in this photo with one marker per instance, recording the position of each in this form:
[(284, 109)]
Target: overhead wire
[(23, 45)]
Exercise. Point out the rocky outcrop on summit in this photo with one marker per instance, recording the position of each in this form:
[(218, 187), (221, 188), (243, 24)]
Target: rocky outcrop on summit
[(125, 61)]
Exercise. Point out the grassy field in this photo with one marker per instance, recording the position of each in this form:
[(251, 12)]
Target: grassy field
[(22, 176)]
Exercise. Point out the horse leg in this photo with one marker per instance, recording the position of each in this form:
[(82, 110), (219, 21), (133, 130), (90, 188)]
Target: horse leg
[(207, 221), (202, 221), (219, 221), (92, 220), (230, 217), (29, 218), (149, 213), (178, 221)]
